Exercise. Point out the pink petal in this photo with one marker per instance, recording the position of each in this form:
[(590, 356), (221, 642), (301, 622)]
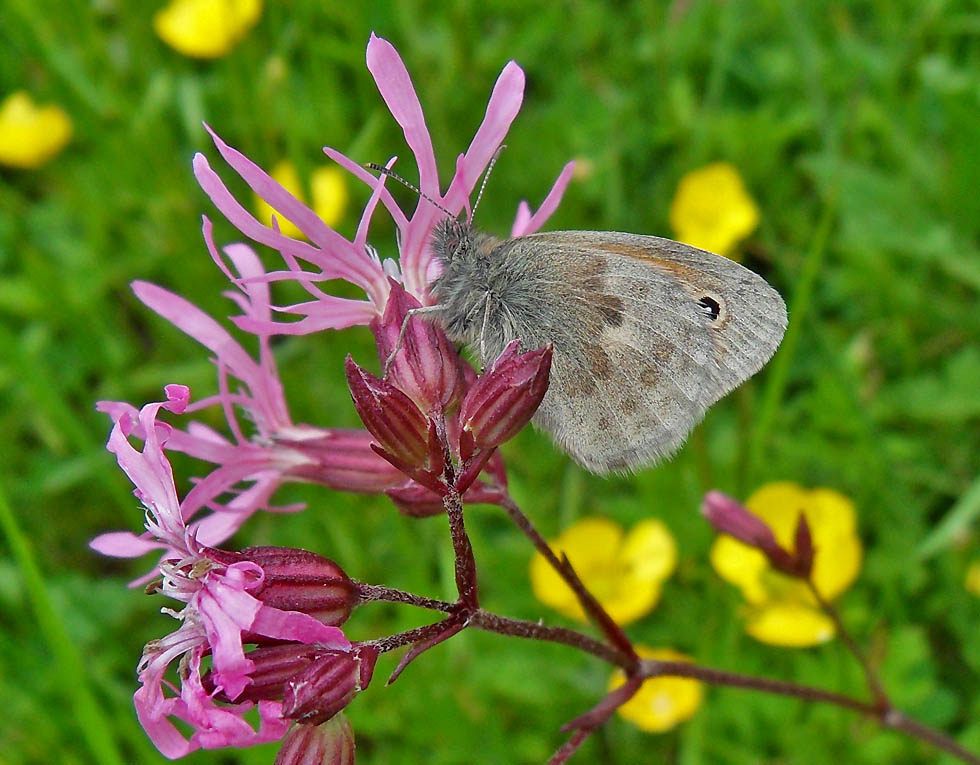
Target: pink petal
[(327, 313), (396, 89), (340, 263), (123, 544), (191, 320), (548, 206), (371, 180), (505, 102)]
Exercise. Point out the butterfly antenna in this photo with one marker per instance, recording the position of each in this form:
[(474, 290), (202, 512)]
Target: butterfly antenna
[(486, 177), (392, 174)]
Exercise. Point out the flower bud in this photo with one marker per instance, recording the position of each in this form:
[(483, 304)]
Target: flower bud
[(426, 366), (505, 397), (731, 517), (297, 580), (328, 684), (273, 667), (391, 416), (331, 743)]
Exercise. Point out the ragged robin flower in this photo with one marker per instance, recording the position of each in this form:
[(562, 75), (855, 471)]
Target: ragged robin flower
[(624, 571), (712, 210), (661, 703), (780, 609), (222, 611), (31, 135), (206, 28)]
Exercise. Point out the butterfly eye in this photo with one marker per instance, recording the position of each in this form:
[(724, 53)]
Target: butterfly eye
[(712, 308)]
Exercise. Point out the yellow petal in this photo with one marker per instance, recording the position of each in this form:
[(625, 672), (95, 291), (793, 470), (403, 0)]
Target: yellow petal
[(650, 551), (205, 28), (712, 209), (789, 624), (29, 135), (624, 574), (329, 186), (662, 702), (590, 545), (972, 582), (286, 176), (741, 565)]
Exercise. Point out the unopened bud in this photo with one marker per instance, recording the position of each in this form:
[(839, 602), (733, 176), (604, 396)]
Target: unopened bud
[(328, 684), (426, 365), (273, 667), (331, 743), (505, 397), (297, 580), (731, 517), (392, 417)]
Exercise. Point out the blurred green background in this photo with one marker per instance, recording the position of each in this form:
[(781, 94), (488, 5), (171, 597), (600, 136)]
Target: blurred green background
[(856, 126)]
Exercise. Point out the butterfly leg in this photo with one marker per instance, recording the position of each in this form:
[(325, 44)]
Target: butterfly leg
[(404, 328)]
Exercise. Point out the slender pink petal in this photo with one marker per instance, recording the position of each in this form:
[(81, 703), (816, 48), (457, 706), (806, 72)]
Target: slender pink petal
[(548, 206), (505, 102), (191, 320), (123, 544), (396, 89), (328, 312), (371, 180)]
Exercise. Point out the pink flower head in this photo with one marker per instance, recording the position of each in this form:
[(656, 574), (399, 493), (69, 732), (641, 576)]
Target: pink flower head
[(219, 613), (252, 467), (334, 257)]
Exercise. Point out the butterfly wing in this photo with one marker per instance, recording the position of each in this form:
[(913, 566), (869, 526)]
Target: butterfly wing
[(648, 333)]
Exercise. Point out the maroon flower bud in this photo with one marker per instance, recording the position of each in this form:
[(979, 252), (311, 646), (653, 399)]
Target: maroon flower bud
[(391, 416), (331, 743), (731, 517), (504, 398), (328, 684), (274, 666), (342, 459), (427, 366), (299, 580)]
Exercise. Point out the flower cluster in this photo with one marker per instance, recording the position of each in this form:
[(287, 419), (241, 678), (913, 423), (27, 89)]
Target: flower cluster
[(432, 427), (289, 599)]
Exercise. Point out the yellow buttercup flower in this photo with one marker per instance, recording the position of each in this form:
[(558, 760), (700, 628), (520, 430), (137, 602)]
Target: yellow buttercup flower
[(624, 571), (329, 187), (972, 582), (712, 209), (781, 610), (662, 702), (206, 28), (31, 135), (329, 196)]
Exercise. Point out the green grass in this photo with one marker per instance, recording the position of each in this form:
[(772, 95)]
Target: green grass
[(856, 126)]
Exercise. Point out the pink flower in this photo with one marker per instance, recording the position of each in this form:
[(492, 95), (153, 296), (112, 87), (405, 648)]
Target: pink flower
[(219, 609), (333, 256), (251, 468)]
